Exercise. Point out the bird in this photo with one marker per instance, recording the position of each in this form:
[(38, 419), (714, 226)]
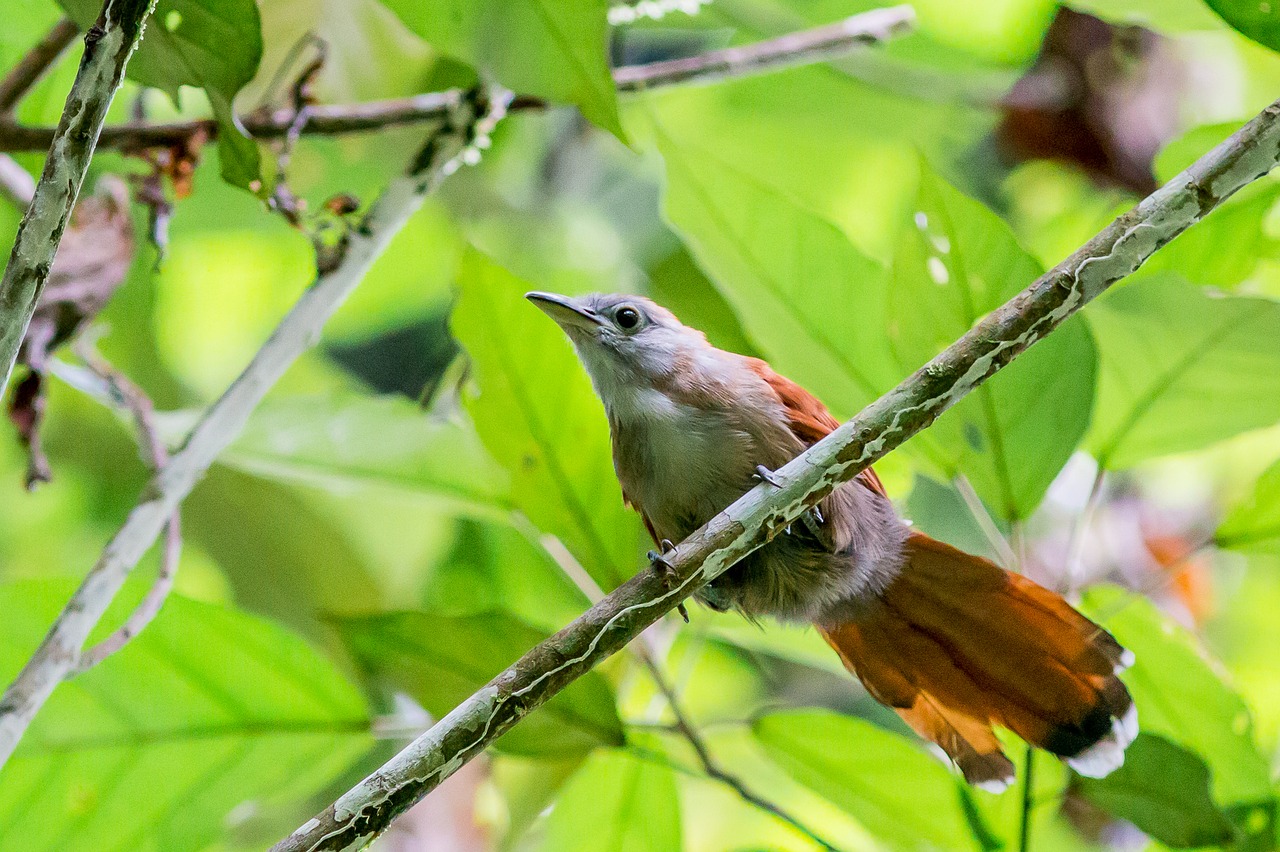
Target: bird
[(953, 643)]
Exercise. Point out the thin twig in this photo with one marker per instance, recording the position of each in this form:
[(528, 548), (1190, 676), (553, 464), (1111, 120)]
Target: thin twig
[(646, 654), (134, 400), (709, 765), (443, 153), (985, 522), (368, 808), (108, 46), (805, 47), (38, 60)]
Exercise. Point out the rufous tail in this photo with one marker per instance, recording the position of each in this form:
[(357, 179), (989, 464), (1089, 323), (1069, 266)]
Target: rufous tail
[(958, 646)]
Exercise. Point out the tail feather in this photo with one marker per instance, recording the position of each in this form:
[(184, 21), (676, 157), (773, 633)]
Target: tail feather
[(959, 646)]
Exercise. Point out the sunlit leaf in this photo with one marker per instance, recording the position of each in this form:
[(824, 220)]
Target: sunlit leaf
[(1013, 434), (213, 44), (1256, 19), (536, 412), (1163, 789), (207, 710), (1180, 368), (442, 660), (863, 769), (805, 294), (616, 803), (346, 442), (1254, 525), (1181, 696), (551, 48)]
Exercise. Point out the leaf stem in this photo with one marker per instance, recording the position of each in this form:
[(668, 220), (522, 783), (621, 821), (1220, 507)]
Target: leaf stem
[(1028, 794)]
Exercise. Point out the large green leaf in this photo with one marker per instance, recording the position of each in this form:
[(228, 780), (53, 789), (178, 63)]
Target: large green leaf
[(808, 298), (496, 567), (1254, 525), (1163, 789), (442, 660), (1181, 696), (345, 441), (1181, 368), (863, 769), (1012, 435), (215, 45), (551, 48), (1259, 21), (616, 803), (207, 710), (536, 412)]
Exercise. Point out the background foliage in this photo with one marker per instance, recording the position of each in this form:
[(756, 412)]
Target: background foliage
[(429, 493)]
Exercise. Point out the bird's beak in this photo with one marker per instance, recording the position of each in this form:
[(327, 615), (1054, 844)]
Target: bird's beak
[(567, 313)]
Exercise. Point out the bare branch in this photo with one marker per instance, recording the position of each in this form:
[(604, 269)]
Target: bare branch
[(107, 48), (59, 653), (124, 393), (38, 60), (800, 48), (369, 807)]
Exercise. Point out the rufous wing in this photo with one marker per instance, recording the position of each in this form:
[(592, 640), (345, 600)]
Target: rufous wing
[(809, 418)]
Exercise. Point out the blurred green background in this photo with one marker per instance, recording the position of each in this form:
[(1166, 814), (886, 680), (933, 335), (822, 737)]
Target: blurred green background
[(421, 497)]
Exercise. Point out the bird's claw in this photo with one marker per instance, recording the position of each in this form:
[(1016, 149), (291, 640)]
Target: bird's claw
[(765, 475), (658, 564)]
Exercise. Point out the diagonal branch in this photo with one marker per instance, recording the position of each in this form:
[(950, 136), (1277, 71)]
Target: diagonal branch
[(60, 651), (107, 48), (800, 48), (38, 60), (369, 807)]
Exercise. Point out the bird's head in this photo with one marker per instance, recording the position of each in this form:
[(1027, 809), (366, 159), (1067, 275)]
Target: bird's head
[(627, 343)]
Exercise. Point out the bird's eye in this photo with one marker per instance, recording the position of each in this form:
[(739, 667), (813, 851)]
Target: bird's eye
[(627, 318)]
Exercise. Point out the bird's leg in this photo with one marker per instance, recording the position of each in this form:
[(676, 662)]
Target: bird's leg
[(659, 564), (812, 518)]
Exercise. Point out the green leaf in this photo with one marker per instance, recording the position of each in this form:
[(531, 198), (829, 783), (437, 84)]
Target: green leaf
[(1181, 368), (804, 293), (1257, 20), (616, 803), (442, 660), (1013, 434), (551, 48), (213, 44), (1181, 695), (344, 441), (1163, 789), (1254, 525), (495, 567), (536, 412), (862, 769), (206, 709), (1166, 16)]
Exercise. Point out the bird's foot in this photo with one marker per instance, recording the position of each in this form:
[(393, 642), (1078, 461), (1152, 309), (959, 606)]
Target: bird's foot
[(659, 565), (812, 518), (765, 475)]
